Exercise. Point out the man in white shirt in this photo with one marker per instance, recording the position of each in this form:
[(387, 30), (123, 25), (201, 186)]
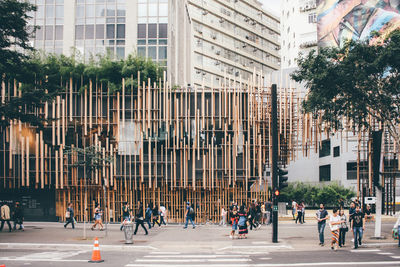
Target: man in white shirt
[(294, 205), (162, 214)]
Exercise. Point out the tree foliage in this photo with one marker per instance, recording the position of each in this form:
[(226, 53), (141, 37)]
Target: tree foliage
[(313, 195), (355, 82)]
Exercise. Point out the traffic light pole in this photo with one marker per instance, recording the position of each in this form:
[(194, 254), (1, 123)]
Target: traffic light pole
[(274, 160)]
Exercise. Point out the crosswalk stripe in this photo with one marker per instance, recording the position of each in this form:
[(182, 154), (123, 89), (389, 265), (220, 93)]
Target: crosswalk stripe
[(192, 260), (305, 264), (395, 257), (196, 256), (364, 250), (385, 253)]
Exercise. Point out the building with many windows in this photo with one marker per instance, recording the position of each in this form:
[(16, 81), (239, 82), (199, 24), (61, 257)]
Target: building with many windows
[(298, 30), (200, 41)]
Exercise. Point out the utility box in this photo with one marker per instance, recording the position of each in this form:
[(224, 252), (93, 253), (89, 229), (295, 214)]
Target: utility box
[(282, 208)]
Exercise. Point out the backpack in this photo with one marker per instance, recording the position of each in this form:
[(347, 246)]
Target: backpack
[(191, 212), (148, 213)]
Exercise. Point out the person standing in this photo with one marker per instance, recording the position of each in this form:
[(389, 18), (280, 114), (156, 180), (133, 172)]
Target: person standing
[(5, 216), (299, 217), (352, 210), (294, 209), (156, 215), (126, 215), (242, 223), (98, 213), (162, 214), (147, 215), (322, 216), (263, 213), (358, 226), (303, 212), (223, 217), (69, 215), (189, 215), (343, 228), (18, 216), (334, 223), (139, 219), (234, 219), (269, 212)]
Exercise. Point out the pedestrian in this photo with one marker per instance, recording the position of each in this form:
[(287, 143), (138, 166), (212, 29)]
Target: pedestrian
[(258, 215), (352, 210), (189, 215), (252, 216), (234, 219), (156, 216), (294, 209), (140, 219), (147, 215), (126, 215), (5, 216), (341, 203), (303, 212), (69, 215), (358, 226), (368, 214), (162, 214), (263, 213), (98, 213), (223, 217), (18, 216), (322, 216), (334, 223), (343, 228), (299, 208), (242, 222), (269, 212)]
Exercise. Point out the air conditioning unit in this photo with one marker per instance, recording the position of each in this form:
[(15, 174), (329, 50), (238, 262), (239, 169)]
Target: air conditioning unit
[(212, 47), (213, 36), (221, 20), (205, 12), (253, 23), (218, 52), (198, 72), (246, 19), (217, 63)]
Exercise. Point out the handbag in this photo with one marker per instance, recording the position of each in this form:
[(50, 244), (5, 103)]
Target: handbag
[(67, 214), (346, 229)]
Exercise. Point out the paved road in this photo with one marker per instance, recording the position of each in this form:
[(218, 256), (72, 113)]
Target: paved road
[(49, 244)]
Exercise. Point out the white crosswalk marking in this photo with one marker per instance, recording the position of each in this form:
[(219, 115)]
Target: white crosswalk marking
[(47, 256), (395, 257), (385, 253), (364, 250)]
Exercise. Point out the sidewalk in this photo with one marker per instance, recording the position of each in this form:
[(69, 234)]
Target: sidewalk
[(205, 238)]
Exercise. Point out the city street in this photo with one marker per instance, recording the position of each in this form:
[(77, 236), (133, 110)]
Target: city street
[(49, 244)]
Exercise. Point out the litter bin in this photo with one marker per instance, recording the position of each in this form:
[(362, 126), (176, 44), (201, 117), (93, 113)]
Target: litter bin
[(128, 231)]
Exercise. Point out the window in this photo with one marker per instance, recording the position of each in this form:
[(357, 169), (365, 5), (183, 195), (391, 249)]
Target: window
[(141, 30), (325, 173), (336, 151), (325, 148), (312, 18), (152, 30), (351, 170), (121, 31), (163, 30)]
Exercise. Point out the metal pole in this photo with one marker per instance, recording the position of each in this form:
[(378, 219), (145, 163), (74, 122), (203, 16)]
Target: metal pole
[(274, 166)]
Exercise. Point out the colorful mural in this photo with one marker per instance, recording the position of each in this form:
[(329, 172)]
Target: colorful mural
[(340, 20)]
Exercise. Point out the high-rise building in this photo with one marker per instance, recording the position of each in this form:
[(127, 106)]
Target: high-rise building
[(298, 30), (201, 41)]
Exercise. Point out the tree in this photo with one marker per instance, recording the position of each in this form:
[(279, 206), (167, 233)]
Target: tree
[(355, 82)]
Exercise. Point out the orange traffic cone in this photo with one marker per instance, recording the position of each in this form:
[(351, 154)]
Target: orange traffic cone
[(96, 252)]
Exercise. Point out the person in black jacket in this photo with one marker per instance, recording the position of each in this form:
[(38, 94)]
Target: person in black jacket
[(70, 219), (139, 219), (156, 215), (18, 216)]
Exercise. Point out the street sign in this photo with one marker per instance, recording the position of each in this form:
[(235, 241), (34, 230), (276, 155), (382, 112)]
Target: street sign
[(370, 200)]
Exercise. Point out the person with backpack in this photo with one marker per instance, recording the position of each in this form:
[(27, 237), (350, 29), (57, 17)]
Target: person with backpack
[(5, 216), (242, 223), (69, 215), (18, 216), (156, 214), (98, 213), (189, 215), (234, 219), (147, 215), (126, 215)]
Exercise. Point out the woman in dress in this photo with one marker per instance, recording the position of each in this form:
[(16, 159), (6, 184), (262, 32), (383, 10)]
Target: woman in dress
[(242, 222), (234, 219), (334, 223), (97, 217)]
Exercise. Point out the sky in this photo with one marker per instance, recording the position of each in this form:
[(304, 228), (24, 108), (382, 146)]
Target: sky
[(273, 5)]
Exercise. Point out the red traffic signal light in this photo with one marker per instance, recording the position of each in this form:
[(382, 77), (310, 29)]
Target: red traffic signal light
[(276, 192)]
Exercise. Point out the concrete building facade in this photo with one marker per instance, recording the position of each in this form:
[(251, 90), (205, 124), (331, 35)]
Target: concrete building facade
[(199, 41)]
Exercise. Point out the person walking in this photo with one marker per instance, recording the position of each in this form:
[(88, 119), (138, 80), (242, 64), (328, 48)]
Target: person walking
[(18, 216), (139, 219), (269, 212), (223, 217), (334, 223), (294, 209), (352, 210), (69, 215), (343, 228), (189, 215), (5, 216), (322, 216), (358, 226), (303, 212), (162, 214), (252, 216), (98, 213), (299, 217), (126, 215), (234, 219), (156, 216), (147, 215), (242, 222)]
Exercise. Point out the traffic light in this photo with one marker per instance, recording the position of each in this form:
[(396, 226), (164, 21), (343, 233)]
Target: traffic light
[(282, 178), (276, 192)]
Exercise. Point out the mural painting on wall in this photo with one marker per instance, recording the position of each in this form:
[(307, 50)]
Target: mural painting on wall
[(341, 20)]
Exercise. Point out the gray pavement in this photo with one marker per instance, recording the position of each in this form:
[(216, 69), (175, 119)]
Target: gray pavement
[(49, 244)]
